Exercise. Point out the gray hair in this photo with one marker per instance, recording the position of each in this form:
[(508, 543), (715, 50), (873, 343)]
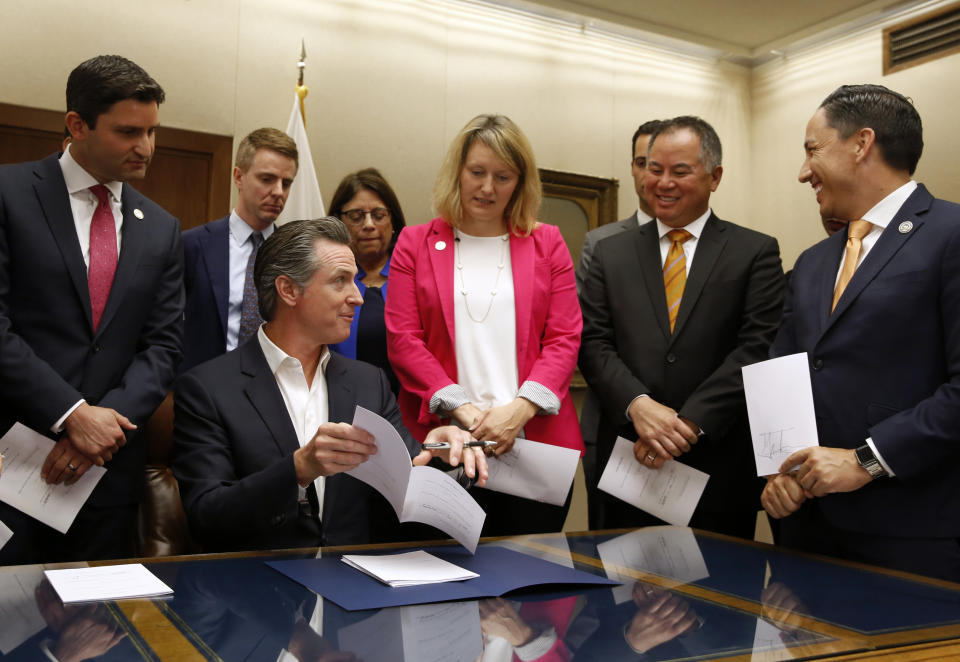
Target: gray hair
[(711, 153), (291, 251)]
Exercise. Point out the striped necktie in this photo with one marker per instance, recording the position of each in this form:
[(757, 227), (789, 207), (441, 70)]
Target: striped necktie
[(675, 273)]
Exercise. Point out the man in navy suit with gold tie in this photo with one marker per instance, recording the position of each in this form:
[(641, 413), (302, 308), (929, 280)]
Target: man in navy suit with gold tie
[(877, 309), (91, 303)]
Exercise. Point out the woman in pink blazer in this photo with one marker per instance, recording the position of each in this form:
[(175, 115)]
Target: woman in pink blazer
[(483, 322)]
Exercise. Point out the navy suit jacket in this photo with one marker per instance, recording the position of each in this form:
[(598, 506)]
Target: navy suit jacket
[(233, 456), (727, 319), (50, 355), (206, 277), (886, 365)]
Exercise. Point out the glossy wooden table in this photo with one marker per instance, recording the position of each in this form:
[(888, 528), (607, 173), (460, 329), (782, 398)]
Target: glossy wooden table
[(757, 603)]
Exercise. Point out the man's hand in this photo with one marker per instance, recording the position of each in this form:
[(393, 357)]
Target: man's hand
[(336, 447), (823, 471), (64, 463), (661, 616), (499, 619), (661, 432), (782, 495), (474, 461), (503, 424), (97, 432)]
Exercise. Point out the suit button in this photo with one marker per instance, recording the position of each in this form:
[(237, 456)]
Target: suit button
[(671, 358), (277, 520), (817, 364), (96, 349)]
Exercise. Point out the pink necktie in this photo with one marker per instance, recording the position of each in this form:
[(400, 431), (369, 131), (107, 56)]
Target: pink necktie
[(103, 253)]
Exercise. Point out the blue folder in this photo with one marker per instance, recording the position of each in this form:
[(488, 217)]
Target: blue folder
[(501, 570)]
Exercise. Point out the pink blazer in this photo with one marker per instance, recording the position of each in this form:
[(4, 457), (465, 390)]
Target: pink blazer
[(420, 324)]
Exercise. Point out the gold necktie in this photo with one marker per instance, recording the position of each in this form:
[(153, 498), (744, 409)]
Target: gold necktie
[(855, 234), (675, 273)]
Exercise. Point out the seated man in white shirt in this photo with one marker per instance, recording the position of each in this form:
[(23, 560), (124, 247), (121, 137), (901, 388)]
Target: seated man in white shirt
[(261, 438)]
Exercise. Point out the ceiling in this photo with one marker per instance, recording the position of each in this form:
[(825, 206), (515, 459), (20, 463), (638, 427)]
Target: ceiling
[(741, 29)]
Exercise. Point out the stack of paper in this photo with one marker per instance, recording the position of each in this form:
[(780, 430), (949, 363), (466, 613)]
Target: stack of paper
[(109, 582), (408, 569)]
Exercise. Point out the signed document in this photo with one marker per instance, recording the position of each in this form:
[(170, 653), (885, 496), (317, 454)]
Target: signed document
[(780, 408), (21, 486), (108, 582), (417, 494), (542, 472), (407, 568), (670, 493)]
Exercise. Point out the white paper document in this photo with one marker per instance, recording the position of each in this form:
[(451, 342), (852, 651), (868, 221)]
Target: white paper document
[(671, 552), (534, 470), (670, 493), (417, 494), (19, 612), (108, 582), (408, 568), (448, 631), (21, 486), (780, 407), (5, 534)]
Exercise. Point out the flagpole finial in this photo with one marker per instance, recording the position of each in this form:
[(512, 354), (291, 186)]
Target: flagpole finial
[(301, 88)]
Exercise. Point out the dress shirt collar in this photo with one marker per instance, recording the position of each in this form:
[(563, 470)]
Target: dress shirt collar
[(694, 227), (643, 217), (240, 231), (277, 358), (77, 179), (883, 212)]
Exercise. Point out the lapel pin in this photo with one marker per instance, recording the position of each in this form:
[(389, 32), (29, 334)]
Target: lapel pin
[(905, 227), (440, 245), (138, 214)]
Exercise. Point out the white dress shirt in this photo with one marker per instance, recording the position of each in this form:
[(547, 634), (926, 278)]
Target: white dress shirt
[(880, 216), (83, 204), (240, 249), (306, 403)]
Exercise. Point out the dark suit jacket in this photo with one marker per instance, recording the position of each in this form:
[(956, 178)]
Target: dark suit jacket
[(886, 364), (727, 319), (233, 456), (206, 277), (50, 356)]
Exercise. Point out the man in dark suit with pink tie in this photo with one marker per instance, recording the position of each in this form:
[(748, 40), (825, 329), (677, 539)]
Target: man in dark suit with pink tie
[(91, 306)]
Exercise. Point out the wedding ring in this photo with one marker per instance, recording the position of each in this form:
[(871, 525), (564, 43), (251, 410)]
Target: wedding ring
[(71, 467), (651, 457)]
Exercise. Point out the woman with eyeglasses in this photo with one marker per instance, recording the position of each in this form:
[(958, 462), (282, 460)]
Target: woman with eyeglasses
[(483, 322), (369, 208)]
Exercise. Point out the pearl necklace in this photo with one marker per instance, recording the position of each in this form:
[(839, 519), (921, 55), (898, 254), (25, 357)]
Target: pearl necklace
[(496, 282)]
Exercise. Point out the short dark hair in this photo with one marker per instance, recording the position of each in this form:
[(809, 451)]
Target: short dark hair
[(266, 138), (711, 152), (892, 116), (98, 83), (645, 129), (369, 179), (291, 251)]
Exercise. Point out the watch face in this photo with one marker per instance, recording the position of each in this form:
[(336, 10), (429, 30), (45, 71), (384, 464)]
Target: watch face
[(865, 455)]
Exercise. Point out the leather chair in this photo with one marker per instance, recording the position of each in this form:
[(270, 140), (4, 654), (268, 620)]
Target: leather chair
[(163, 528)]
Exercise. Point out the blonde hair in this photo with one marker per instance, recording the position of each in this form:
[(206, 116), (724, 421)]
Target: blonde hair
[(500, 134)]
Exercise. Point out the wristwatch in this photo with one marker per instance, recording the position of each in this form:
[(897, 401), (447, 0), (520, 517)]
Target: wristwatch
[(869, 461)]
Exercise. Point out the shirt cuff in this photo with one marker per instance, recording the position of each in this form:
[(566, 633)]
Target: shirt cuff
[(448, 398), (538, 646), (626, 412), (57, 427), (541, 396), (876, 453)]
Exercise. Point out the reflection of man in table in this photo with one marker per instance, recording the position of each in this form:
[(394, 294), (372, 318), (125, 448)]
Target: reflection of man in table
[(877, 309), (261, 433)]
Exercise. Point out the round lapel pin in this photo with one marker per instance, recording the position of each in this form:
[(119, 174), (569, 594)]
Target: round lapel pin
[(138, 214), (905, 227), (440, 245)]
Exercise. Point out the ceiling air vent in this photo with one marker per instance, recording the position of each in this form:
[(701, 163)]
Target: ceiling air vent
[(922, 39)]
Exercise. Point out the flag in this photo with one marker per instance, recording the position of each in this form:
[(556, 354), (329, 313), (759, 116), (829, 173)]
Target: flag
[(304, 200)]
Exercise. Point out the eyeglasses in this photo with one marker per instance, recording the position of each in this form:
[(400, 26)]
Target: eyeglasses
[(378, 215)]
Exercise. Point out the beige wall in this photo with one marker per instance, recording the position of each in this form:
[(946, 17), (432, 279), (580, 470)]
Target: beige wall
[(392, 80)]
